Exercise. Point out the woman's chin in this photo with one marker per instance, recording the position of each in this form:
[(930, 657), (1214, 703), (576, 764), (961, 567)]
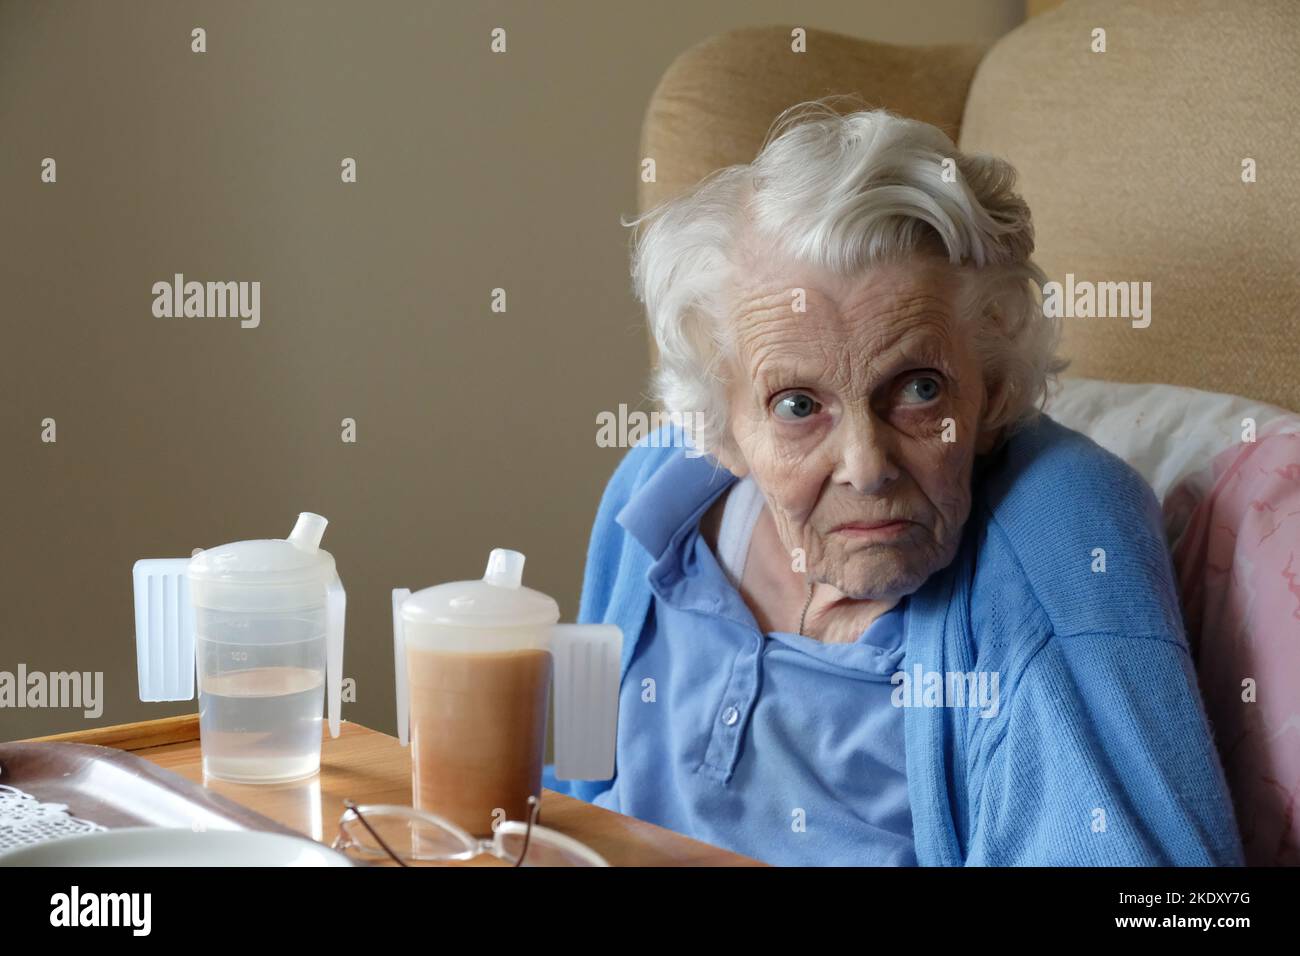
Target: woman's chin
[(877, 577)]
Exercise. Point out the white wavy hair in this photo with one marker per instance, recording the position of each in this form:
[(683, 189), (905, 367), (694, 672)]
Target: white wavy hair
[(842, 192)]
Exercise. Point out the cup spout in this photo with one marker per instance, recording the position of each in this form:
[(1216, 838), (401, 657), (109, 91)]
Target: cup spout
[(505, 568), (307, 533)]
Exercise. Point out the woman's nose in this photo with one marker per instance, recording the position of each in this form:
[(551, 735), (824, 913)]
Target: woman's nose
[(864, 461)]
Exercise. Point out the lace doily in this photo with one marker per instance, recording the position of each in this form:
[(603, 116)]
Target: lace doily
[(24, 820)]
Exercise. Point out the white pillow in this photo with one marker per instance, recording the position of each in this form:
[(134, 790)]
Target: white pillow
[(1165, 432)]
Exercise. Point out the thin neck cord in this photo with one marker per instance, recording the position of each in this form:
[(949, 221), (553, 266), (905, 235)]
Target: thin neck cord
[(806, 605)]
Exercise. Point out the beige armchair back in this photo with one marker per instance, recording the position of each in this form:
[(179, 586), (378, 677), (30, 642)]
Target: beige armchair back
[(1132, 161)]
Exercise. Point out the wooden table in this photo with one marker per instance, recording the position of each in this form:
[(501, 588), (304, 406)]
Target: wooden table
[(369, 767)]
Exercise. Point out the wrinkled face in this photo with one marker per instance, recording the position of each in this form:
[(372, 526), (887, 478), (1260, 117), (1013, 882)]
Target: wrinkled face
[(841, 413)]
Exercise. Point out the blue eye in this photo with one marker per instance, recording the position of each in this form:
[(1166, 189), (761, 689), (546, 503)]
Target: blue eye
[(796, 406), (925, 394)]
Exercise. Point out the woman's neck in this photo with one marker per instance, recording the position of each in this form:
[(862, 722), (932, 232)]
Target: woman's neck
[(833, 618), (777, 594)]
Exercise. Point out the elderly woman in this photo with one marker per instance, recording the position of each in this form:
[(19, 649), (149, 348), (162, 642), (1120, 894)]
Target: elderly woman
[(884, 611)]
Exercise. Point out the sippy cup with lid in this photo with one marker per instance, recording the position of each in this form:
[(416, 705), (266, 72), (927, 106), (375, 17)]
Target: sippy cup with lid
[(262, 623), (475, 662)]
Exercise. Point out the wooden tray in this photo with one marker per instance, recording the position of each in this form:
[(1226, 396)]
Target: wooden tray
[(118, 789), (370, 767)]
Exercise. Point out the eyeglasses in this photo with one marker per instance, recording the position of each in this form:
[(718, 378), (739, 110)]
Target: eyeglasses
[(407, 835)]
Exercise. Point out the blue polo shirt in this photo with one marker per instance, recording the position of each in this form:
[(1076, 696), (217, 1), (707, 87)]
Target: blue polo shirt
[(1099, 753), (774, 745)]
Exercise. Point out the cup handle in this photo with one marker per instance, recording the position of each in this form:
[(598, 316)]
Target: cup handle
[(399, 667), (587, 662), (336, 611), (164, 629)]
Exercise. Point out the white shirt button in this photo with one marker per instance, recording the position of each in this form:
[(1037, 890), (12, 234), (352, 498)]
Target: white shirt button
[(730, 716)]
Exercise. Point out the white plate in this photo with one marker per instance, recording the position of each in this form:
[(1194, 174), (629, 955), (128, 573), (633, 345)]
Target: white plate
[(159, 846)]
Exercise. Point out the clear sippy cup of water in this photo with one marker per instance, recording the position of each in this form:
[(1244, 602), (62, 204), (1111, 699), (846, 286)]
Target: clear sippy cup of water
[(261, 624)]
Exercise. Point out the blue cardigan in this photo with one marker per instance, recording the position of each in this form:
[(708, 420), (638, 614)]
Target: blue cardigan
[(1100, 753)]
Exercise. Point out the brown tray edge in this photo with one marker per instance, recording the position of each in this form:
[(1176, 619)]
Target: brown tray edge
[(140, 735)]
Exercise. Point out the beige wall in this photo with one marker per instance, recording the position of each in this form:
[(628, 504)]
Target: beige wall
[(475, 430)]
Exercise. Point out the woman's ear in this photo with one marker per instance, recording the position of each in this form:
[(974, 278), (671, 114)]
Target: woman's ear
[(728, 455), (989, 438)]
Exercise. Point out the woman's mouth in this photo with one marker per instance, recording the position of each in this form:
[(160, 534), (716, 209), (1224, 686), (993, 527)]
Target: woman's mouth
[(873, 530)]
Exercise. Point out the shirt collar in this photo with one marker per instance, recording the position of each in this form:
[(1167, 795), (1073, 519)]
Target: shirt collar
[(672, 499)]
